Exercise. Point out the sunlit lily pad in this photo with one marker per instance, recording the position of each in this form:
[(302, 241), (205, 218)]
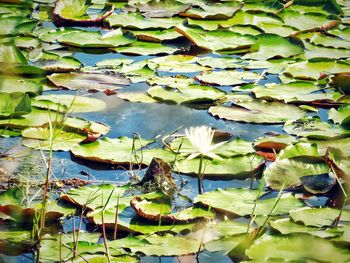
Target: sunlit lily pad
[(314, 70), (135, 20), (173, 82), (237, 167), (157, 207), (303, 21), (119, 151), (303, 92), (176, 63), (213, 11), (292, 248), (318, 217), (242, 201), (14, 104), (268, 6), (156, 35), (257, 112), (327, 41), (16, 25), (342, 115), (88, 81), (74, 103), (145, 48), (189, 94), (136, 97), (55, 63), (9, 84), (271, 46), (165, 8), (39, 138), (228, 77), (77, 13), (274, 142), (216, 40), (313, 51), (221, 62), (273, 28), (314, 128), (95, 39)]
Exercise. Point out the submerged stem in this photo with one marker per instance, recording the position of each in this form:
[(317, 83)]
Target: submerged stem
[(200, 176)]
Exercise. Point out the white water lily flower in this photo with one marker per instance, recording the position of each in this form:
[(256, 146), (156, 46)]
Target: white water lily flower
[(201, 138)]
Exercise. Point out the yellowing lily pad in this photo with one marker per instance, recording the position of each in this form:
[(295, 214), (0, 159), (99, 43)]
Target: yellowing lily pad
[(228, 77)]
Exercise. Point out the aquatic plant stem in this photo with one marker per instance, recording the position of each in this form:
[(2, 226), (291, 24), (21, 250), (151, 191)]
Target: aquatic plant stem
[(200, 175), (116, 220)]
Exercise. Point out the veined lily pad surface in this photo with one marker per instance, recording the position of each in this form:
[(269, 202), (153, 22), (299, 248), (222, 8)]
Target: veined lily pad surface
[(174, 130)]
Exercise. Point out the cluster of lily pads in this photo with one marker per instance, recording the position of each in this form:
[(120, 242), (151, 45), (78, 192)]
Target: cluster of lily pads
[(260, 62)]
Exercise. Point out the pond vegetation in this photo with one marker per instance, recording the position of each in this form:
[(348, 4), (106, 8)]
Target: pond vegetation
[(163, 131)]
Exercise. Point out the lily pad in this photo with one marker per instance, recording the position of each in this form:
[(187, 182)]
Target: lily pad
[(213, 11), (88, 81), (95, 39), (55, 63), (315, 70), (189, 94), (271, 46), (135, 20), (74, 103), (105, 151), (76, 13), (156, 35), (267, 6), (216, 40), (274, 142), (10, 84), (14, 104), (292, 248), (342, 115), (318, 217), (136, 97), (228, 77), (173, 82), (314, 128), (237, 167), (221, 62), (145, 48), (242, 201), (296, 92), (165, 8), (327, 41), (257, 112), (176, 63), (313, 51)]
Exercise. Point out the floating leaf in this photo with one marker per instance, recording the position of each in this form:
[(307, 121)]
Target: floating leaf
[(314, 70), (55, 63), (313, 51), (342, 115), (213, 11), (136, 97), (274, 142), (189, 94), (242, 201), (145, 48), (119, 151), (14, 104), (176, 63), (302, 92), (76, 13), (156, 35), (292, 248), (165, 8), (94, 39), (135, 20), (74, 103), (228, 77), (271, 46), (16, 25), (216, 40), (88, 81), (318, 217), (327, 41), (267, 6), (237, 167), (221, 62), (10, 84), (257, 112)]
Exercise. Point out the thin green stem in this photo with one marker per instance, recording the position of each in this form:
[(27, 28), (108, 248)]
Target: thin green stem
[(200, 175)]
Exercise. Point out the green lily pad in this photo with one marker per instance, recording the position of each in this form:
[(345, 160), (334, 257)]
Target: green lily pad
[(298, 150), (94, 39), (272, 66), (176, 63), (105, 151), (248, 18), (314, 128), (10, 84), (145, 48), (213, 11), (88, 81), (39, 138), (285, 227), (55, 63), (16, 25), (303, 21), (156, 35), (242, 201), (314, 70), (52, 35), (189, 94), (216, 40), (173, 82), (271, 46), (271, 6), (343, 145), (221, 62), (258, 112), (313, 51), (136, 97), (341, 115), (135, 20), (274, 142), (237, 167), (14, 104), (76, 13), (74, 103), (292, 248), (341, 33), (327, 41), (294, 92), (165, 8), (228, 77), (318, 217), (157, 207)]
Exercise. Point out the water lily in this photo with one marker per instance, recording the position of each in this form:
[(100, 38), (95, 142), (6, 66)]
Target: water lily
[(201, 139)]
